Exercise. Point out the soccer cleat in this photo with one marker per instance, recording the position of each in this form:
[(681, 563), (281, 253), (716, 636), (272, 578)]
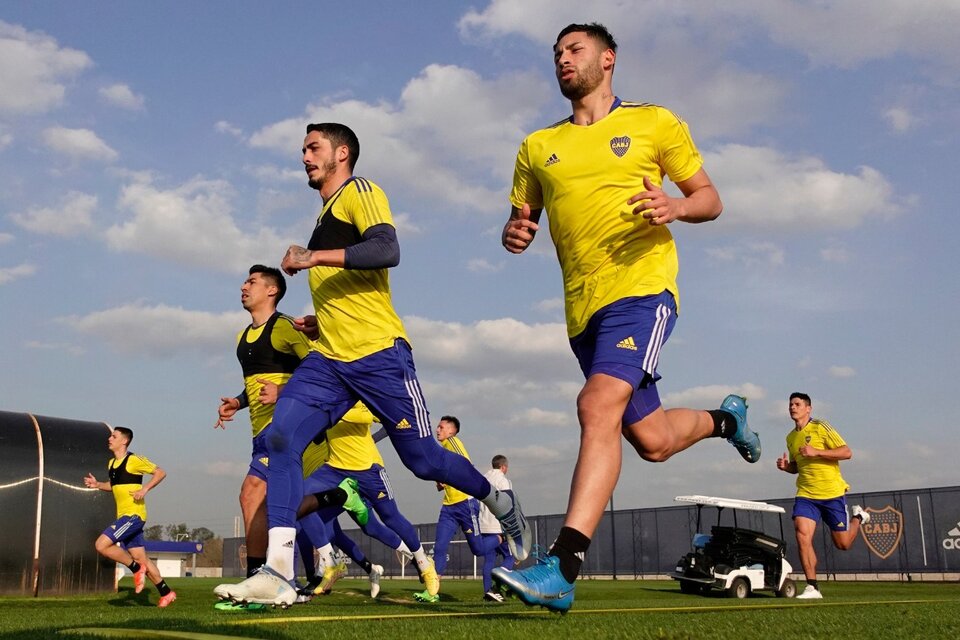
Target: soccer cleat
[(426, 596), (167, 600), (492, 596), (310, 588), (542, 584), (857, 511), (354, 503), (430, 579), (139, 578), (330, 576), (376, 571), (266, 586), (744, 440), (226, 605), (810, 593), (516, 529)]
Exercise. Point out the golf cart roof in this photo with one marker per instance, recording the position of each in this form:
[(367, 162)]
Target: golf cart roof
[(732, 503)]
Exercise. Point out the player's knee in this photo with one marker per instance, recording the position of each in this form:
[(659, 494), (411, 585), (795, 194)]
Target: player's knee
[(652, 446)]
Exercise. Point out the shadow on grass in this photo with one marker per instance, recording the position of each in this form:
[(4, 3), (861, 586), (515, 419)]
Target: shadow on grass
[(129, 598)]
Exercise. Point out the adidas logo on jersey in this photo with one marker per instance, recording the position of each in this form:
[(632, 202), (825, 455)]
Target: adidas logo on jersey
[(403, 424), (627, 343), (553, 159)]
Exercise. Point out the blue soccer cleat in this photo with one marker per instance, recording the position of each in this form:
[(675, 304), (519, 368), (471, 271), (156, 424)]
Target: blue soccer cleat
[(746, 441), (515, 528), (542, 584)]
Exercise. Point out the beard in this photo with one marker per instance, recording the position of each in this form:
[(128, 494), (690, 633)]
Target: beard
[(326, 170), (583, 82)]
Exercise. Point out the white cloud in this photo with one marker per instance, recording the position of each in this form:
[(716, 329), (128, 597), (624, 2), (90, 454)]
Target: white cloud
[(78, 143), (543, 418), (191, 224), (900, 119), (34, 70), (160, 330), (120, 95), (750, 254), (765, 188), (449, 125), (837, 371), (5, 140), (72, 215), (225, 469), (482, 265), (272, 174), (9, 274), (405, 225), (710, 396), (59, 347), (837, 254), (549, 305), (222, 126), (5, 238)]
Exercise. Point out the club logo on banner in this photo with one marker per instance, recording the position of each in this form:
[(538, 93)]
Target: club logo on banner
[(620, 145), (884, 531)]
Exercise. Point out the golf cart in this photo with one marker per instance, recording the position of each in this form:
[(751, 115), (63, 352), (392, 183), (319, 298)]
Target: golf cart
[(734, 560)]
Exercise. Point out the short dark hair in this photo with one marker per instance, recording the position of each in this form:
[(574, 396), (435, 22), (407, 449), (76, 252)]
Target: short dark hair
[(274, 277), (801, 396), (452, 420), (128, 433), (339, 135), (499, 461), (594, 29)]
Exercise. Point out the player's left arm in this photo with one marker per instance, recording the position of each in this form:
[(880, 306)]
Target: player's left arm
[(156, 477), (700, 201)]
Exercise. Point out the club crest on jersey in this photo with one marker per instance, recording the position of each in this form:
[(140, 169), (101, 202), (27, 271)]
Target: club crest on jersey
[(620, 145)]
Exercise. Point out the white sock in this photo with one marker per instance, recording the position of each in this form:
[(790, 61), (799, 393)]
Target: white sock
[(403, 547), (326, 557), (420, 557), (280, 544)]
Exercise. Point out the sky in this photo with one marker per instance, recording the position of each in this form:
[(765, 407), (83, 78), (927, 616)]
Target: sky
[(150, 153)]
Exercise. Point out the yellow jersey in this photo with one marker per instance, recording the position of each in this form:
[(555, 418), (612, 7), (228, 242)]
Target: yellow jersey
[(354, 309), (451, 495), (348, 445), (583, 176), (817, 479), (126, 477)]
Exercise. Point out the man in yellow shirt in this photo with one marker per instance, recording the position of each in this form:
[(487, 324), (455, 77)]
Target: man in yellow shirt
[(598, 174), (815, 451), (123, 541)]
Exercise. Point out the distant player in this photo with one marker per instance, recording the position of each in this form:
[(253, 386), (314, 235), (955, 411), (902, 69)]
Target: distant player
[(458, 511), (490, 529), (815, 451), (122, 541)]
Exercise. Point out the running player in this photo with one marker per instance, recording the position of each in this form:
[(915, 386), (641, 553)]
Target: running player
[(360, 353), (123, 540), (458, 511), (598, 174)]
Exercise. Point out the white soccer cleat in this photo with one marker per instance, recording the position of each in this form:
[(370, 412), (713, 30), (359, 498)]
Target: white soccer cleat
[(266, 586), (810, 593), (376, 571), (856, 511)]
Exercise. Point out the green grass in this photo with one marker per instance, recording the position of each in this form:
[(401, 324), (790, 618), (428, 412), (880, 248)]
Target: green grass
[(603, 609)]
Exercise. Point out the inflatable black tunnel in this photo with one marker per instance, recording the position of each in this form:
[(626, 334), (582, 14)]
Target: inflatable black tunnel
[(50, 520)]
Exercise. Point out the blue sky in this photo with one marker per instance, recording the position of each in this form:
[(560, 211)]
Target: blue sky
[(149, 153)]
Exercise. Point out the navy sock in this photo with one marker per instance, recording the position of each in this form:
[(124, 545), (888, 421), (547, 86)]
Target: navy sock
[(134, 566), (254, 563), (569, 548), (724, 424), (163, 588)]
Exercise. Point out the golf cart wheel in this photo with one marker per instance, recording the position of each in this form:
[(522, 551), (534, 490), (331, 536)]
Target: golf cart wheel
[(788, 590), (690, 587), (739, 588)]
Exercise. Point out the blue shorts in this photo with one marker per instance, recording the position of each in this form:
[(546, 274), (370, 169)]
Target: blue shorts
[(623, 340), (259, 458), (373, 483), (386, 381), (832, 511), (127, 530)]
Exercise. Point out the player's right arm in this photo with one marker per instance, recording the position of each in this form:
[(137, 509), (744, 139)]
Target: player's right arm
[(521, 228), (229, 407), (92, 483), (785, 464)]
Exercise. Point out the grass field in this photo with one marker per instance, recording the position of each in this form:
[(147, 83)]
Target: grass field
[(603, 609)]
